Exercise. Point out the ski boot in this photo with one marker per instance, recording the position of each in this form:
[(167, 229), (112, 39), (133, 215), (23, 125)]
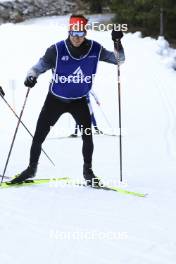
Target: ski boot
[(26, 174), (89, 176)]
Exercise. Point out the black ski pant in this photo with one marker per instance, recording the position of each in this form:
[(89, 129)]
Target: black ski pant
[(51, 111)]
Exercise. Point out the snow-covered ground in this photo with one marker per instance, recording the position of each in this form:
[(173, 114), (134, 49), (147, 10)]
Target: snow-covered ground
[(81, 225)]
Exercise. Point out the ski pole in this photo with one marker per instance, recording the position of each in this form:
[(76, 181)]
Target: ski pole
[(15, 133), (103, 113), (116, 44), (1, 94), (105, 117)]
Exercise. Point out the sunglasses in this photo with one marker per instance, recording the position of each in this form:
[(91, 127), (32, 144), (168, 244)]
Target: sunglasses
[(77, 33)]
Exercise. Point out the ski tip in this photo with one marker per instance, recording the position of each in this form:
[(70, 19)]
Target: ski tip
[(124, 191)]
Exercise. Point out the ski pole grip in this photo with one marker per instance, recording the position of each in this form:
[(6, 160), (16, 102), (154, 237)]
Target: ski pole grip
[(2, 93)]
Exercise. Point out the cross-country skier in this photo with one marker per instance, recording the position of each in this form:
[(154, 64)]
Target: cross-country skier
[(74, 64), (93, 120)]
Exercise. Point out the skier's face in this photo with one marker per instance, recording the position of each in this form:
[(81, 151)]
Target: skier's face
[(76, 41), (77, 37)]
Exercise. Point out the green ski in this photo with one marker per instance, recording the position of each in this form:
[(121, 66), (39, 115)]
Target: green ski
[(107, 188), (68, 180), (30, 182)]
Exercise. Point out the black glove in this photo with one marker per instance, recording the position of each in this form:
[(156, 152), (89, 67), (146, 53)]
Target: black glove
[(1, 92), (30, 81), (116, 35)]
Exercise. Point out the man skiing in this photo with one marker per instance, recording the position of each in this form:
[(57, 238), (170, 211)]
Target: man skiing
[(73, 63)]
